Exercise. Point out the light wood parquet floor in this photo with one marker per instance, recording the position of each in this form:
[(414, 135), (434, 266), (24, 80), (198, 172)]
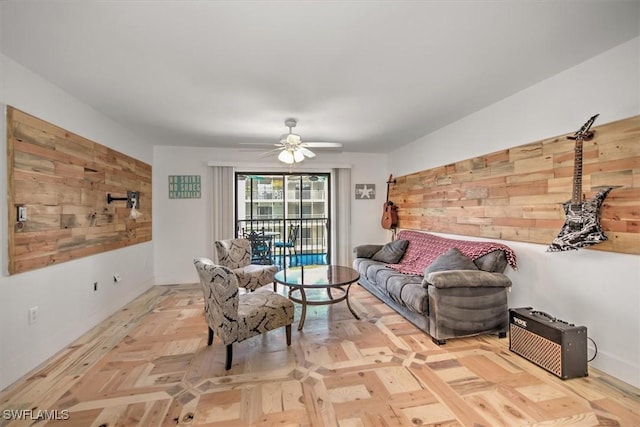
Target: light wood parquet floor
[(149, 365)]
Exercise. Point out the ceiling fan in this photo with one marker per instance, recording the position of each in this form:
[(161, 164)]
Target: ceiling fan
[(293, 149)]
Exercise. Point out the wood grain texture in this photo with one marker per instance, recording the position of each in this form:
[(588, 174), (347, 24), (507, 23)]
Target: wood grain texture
[(517, 194), (150, 365), (63, 180)]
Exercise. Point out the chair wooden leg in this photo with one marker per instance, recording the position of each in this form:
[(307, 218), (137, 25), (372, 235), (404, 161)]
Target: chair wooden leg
[(288, 332), (210, 340), (227, 366)]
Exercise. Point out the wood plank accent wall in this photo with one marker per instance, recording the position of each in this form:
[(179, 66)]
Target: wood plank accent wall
[(517, 194), (63, 180)]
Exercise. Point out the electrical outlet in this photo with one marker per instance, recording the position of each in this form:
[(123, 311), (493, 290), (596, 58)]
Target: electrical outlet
[(33, 315), (95, 286), (117, 278)]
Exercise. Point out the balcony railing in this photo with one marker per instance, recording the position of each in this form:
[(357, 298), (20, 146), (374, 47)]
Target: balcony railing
[(309, 195), (311, 245)]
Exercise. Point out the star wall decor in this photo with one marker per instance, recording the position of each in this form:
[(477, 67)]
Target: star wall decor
[(365, 191)]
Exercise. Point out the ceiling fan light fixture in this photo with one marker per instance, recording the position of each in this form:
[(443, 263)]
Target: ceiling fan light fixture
[(286, 156), (293, 149), (298, 156)]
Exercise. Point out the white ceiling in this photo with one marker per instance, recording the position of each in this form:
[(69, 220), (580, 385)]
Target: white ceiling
[(372, 75)]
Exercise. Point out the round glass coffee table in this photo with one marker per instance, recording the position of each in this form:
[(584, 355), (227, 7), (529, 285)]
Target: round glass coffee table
[(306, 277)]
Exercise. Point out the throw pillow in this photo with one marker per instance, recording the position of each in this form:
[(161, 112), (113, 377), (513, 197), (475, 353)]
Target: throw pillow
[(392, 252), (453, 259)]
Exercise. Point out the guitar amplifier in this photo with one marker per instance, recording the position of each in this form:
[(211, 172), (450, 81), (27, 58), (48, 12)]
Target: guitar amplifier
[(553, 344)]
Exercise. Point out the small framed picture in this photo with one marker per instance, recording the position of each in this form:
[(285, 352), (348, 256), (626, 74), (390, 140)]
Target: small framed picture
[(365, 191), (184, 186)]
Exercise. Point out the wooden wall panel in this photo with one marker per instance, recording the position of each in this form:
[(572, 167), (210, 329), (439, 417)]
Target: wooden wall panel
[(63, 180), (517, 194)]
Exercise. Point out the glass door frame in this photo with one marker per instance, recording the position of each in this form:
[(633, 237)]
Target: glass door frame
[(314, 233)]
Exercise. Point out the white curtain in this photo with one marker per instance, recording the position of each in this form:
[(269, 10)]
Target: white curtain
[(341, 227), (223, 201)]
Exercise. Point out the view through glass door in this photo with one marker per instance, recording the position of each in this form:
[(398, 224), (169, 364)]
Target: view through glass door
[(286, 216)]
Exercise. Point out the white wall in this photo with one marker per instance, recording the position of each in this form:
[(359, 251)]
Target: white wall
[(600, 290), (182, 227), (67, 304)]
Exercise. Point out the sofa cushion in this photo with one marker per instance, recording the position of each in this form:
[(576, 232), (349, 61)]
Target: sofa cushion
[(495, 261), (366, 251), (415, 297), (404, 289), (368, 268), (453, 259), (392, 252)]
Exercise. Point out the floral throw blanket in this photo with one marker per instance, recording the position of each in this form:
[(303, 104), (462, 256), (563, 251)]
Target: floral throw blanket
[(424, 248)]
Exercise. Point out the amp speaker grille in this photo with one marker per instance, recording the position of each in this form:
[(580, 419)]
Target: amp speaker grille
[(537, 349)]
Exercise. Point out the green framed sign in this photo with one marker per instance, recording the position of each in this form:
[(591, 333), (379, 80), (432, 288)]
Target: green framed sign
[(184, 186)]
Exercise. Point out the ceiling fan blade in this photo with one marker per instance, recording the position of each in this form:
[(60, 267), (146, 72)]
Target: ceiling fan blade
[(261, 148), (307, 152), (260, 144), (322, 144), (270, 153)]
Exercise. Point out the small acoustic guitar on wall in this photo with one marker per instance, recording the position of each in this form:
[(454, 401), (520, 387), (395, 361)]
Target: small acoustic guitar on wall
[(389, 210)]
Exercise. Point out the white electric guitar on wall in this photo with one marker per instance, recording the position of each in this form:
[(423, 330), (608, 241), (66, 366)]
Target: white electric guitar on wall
[(582, 218)]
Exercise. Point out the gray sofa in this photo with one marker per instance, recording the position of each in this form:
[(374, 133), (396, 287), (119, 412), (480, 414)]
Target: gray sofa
[(447, 287)]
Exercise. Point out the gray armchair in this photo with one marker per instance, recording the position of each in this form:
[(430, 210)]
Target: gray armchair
[(235, 254), (235, 317)]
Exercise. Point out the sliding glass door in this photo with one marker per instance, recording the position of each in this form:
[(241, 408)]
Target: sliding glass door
[(290, 213)]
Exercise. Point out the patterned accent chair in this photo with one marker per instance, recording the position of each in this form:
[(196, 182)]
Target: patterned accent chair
[(235, 317), (235, 254)]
